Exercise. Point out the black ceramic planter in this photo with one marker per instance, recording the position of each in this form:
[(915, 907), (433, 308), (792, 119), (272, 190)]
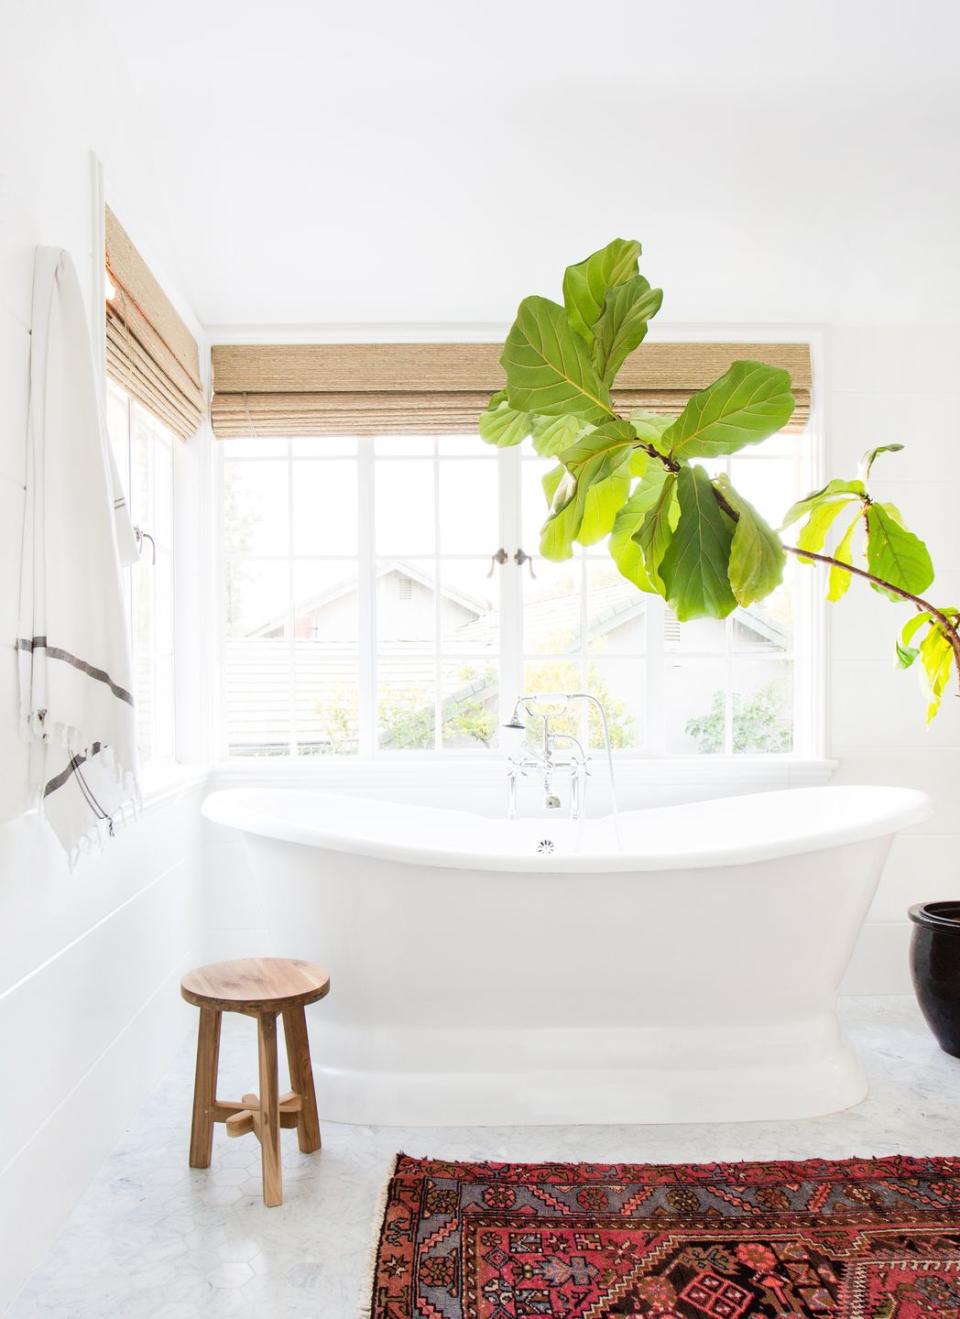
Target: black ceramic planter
[(935, 964)]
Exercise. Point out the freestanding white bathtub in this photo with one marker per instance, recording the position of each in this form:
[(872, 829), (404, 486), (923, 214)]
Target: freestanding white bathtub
[(489, 971)]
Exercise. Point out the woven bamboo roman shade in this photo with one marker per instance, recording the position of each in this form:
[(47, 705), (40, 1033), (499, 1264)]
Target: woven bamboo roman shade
[(367, 389), (150, 351)]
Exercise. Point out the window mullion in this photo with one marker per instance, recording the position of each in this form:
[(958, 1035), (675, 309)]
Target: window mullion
[(510, 580), (655, 676), (437, 669), (367, 593), (291, 607)]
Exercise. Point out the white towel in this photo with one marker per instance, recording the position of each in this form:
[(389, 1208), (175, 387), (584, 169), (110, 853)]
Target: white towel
[(76, 689)]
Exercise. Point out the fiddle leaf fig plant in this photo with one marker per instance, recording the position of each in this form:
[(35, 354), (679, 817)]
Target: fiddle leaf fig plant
[(674, 530)]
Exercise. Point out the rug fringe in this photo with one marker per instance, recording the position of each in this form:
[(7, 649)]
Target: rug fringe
[(379, 1214)]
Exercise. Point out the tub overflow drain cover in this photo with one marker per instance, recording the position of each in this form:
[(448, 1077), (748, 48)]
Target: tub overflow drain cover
[(545, 845)]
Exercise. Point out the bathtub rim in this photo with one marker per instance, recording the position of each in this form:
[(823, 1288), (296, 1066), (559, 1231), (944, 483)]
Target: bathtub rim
[(906, 807)]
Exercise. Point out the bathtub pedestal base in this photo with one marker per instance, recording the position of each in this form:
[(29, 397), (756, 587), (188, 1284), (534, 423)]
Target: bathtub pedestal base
[(738, 1074)]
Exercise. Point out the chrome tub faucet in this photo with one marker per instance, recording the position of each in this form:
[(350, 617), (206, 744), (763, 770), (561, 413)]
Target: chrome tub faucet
[(544, 763)]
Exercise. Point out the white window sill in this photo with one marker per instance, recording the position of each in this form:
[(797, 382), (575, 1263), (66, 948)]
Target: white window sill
[(162, 781), (752, 773)]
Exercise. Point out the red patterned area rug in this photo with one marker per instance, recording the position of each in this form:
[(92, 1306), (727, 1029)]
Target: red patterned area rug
[(866, 1238)]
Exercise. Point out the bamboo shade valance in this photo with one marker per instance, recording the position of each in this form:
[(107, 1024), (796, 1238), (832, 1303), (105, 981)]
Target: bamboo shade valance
[(366, 389), (150, 351)]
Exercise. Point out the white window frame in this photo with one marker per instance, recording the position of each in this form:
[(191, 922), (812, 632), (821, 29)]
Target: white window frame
[(809, 650), (152, 557)]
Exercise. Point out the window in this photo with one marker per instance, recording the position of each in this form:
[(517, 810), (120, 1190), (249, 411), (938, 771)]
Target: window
[(143, 448), (368, 612)]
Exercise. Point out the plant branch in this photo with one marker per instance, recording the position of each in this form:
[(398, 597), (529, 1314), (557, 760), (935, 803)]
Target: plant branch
[(949, 628)]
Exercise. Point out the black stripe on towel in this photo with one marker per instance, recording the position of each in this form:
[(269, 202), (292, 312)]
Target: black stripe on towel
[(75, 762), (56, 652)]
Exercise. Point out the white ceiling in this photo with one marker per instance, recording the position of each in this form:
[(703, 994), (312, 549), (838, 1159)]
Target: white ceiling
[(429, 161)]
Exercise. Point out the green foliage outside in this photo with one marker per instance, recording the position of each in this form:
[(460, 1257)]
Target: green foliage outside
[(469, 714), (673, 529), (760, 723)]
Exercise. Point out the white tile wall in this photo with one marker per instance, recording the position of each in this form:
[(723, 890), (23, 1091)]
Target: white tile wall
[(889, 385), (89, 1013)]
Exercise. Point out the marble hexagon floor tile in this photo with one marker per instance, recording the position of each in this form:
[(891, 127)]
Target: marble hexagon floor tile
[(153, 1239)]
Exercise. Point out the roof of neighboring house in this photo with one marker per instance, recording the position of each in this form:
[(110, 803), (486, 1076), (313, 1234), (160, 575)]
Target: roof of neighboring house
[(550, 623), (338, 590)]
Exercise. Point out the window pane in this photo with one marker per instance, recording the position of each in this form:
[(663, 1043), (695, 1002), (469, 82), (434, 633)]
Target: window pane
[(469, 521), (766, 626), (620, 686), (326, 658), (762, 706), (616, 611), (325, 507), (257, 678), (257, 595), (694, 706), (255, 504), (551, 676), (257, 690), (274, 447), (470, 704), (768, 483), (404, 507), (162, 577), (325, 446), (699, 636), (404, 446), (164, 725), (406, 688), (534, 506), (469, 607), (551, 607), (325, 602), (406, 604)]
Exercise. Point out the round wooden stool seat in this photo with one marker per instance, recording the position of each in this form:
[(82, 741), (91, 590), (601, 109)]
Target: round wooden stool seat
[(265, 988), (255, 984)]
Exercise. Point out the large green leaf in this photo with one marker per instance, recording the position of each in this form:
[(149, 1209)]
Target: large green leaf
[(895, 554), (623, 324), (936, 656), (757, 557), (551, 435), (695, 568), (656, 532), (906, 653), (813, 534), (625, 550), (838, 582), (650, 427), (832, 490), (602, 503), (548, 367), (598, 454), (749, 403), (585, 285), (502, 425), (582, 509)]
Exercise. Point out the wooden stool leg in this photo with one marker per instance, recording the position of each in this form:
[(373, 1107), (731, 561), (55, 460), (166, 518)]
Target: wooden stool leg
[(269, 1116), (205, 1088), (301, 1077)]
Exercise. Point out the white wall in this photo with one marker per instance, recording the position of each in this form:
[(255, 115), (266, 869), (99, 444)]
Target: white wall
[(89, 1010), (884, 385)]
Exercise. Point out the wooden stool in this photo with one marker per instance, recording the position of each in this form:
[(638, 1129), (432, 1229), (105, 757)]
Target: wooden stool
[(261, 987)]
